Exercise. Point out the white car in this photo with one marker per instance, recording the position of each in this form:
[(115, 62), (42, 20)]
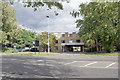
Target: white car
[(26, 49)]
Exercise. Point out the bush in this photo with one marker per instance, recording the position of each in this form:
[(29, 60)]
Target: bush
[(110, 48), (4, 49), (10, 50)]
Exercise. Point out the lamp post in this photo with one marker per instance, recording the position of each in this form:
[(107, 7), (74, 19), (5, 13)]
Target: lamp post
[(48, 35), (15, 28)]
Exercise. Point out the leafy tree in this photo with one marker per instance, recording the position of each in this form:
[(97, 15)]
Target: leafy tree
[(43, 40), (99, 23), (3, 38), (15, 37), (21, 37), (9, 21), (37, 4), (27, 37), (0, 13)]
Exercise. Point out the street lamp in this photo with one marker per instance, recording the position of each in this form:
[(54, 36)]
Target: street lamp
[(48, 34), (15, 28)]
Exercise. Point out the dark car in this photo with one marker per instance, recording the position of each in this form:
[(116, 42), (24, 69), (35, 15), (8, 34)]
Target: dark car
[(33, 50)]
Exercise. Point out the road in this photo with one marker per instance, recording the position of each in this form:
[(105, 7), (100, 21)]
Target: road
[(59, 66)]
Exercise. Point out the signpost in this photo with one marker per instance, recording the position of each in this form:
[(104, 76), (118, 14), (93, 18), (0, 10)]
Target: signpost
[(37, 44)]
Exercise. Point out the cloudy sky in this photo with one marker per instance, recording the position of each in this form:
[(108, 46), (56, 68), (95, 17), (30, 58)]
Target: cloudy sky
[(37, 21)]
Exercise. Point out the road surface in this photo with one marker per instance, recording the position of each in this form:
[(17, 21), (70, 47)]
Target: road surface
[(59, 66)]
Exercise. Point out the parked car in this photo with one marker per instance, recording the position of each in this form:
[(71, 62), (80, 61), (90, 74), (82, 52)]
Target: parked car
[(18, 49), (33, 49), (25, 49), (22, 49)]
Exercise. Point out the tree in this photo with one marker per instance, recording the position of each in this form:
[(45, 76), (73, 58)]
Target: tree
[(21, 37), (3, 38), (0, 13), (100, 20), (15, 37), (9, 21), (43, 40), (27, 37), (37, 4)]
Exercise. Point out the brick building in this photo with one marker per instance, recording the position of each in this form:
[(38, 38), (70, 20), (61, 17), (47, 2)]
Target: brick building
[(68, 42)]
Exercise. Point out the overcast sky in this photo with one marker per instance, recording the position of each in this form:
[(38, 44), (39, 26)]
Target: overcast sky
[(37, 21)]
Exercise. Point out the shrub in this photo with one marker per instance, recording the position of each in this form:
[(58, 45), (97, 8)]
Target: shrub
[(110, 48), (10, 50)]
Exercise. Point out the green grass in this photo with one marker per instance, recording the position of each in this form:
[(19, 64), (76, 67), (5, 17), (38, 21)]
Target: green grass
[(53, 53), (27, 53), (100, 54)]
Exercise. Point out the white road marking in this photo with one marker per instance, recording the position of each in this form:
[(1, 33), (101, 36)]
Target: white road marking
[(74, 62), (100, 67), (43, 64), (90, 64), (70, 62), (110, 65), (26, 63), (40, 60), (13, 59), (25, 72)]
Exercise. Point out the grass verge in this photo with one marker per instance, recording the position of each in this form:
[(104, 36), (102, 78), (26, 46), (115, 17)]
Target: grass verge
[(27, 53), (100, 54), (53, 53)]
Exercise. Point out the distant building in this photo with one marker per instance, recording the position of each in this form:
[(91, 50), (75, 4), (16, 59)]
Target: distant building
[(68, 42)]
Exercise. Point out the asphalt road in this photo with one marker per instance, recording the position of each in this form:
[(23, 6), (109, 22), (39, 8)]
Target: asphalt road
[(59, 66)]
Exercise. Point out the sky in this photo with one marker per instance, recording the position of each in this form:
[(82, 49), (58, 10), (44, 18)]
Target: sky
[(37, 21)]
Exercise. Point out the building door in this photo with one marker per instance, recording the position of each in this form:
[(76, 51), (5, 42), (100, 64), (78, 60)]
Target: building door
[(71, 49), (63, 48), (76, 48)]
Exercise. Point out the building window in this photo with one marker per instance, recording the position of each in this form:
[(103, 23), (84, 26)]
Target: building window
[(63, 35), (70, 41), (56, 35), (56, 47), (62, 41), (77, 41), (70, 35), (56, 42)]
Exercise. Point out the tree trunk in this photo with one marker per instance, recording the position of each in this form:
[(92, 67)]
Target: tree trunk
[(45, 49), (100, 47), (90, 48), (97, 45)]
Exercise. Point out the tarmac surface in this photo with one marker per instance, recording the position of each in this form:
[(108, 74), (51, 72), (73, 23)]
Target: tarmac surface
[(59, 66)]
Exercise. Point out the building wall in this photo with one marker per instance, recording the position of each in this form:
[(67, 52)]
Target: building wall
[(66, 38)]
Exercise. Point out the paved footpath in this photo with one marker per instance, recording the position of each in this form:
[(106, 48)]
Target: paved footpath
[(59, 66)]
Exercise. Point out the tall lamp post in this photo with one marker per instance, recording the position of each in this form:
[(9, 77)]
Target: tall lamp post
[(15, 28), (48, 35)]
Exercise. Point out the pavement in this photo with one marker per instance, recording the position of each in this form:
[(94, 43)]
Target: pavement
[(59, 66)]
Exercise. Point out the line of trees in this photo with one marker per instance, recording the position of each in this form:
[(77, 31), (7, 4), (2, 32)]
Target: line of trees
[(100, 26), (10, 33)]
